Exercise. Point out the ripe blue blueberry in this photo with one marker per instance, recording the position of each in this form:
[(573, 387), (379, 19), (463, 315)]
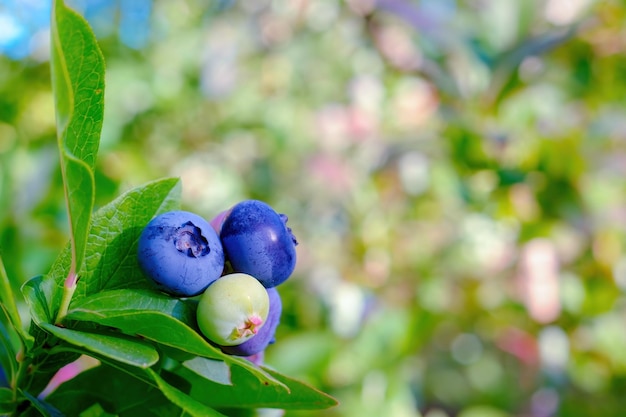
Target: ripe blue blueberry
[(181, 253), (257, 242), (266, 334)]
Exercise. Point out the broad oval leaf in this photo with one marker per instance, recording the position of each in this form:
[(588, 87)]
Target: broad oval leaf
[(110, 260)]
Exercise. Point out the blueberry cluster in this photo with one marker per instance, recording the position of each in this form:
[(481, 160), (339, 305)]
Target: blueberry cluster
[(233, 263)]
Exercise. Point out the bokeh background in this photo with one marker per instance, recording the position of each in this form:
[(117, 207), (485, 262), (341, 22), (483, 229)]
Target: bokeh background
[(453, 170)]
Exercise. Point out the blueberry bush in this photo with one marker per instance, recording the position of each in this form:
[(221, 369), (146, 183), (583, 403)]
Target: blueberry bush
[(453, 171), (120, 346)]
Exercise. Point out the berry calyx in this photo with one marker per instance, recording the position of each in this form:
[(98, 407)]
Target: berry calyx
[(266, 335)]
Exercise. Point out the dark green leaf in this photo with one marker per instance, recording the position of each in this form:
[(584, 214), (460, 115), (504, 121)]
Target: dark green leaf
[(301, 395), (43, 407), (113, 391), (117, 347), (152, 315), (247, 391), (77, 68), (182, 400), (174, 389), (6, 401), (9, 305), (96, 410), (157, 317), (7, 353)]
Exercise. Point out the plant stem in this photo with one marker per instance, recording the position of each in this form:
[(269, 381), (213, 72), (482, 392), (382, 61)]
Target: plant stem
[(68, 291)]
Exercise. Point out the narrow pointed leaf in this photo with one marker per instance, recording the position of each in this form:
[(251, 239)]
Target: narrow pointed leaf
[(7, 300), (247, 391), (122, 349), (157, 317), (43, 407), (77, 68), (188, 404)]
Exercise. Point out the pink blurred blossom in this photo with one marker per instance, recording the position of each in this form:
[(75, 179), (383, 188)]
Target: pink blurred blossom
[(539, 280), (333, 172)]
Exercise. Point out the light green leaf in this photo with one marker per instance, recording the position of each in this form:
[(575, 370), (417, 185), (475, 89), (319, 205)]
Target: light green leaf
[(210, 369), (77, 68), (38, 292), (111, 260)]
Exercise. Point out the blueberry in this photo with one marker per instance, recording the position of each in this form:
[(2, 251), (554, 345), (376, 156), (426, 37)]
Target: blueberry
[(181, 253), (257, 241), (233, 309), (266, 334)]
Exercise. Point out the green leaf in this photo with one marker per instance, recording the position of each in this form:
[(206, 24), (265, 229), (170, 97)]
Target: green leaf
[(111, 260), (96, 410), (248, 391), (117, 347), (131, 390), (8, 363), (38, 292), (216, 371), (6, 401), (154, 316), (182, 400), (43, 407), (301, 395), (112, 390), (9, 305), (77, 69)]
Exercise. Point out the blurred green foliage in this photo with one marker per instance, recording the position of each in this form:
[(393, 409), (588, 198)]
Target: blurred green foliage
[(454, 172)]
